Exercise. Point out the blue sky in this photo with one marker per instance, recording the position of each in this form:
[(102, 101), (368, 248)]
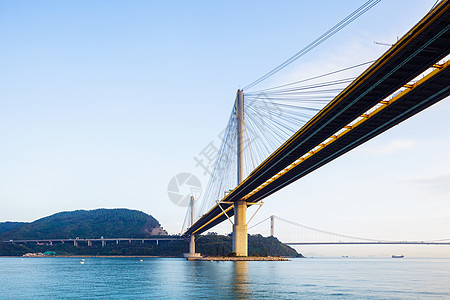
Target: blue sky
[(103, 102)]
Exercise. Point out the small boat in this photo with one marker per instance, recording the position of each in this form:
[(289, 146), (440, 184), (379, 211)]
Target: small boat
[(398, 256), (82, 262)]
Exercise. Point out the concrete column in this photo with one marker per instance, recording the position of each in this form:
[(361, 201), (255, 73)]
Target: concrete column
[(157, 243), (89, 243), (240, 238), (192, 244), (75, 243), (103, 243), (117, 242), (240, 135), (191, 255), (272, 226)]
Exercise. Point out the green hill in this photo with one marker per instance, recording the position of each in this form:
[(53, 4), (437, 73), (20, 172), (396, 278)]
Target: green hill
[(8, 226), (87, 224)]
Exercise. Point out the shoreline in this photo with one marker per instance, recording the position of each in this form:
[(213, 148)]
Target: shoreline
[(206, 258), (242, 258), (92, 256)]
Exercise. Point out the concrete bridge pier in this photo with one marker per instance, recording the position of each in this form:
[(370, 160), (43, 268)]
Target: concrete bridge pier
[(240, 237), (192, 244), (192, 255)]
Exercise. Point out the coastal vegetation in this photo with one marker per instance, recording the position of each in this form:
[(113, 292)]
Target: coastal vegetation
[(120, 223), (209, 245)]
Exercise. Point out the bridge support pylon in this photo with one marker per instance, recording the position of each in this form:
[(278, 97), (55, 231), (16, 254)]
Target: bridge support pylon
[(240, 238), (191, 255), (272, 226)]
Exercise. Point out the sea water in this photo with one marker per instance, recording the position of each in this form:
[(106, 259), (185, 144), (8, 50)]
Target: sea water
[(176, 278)]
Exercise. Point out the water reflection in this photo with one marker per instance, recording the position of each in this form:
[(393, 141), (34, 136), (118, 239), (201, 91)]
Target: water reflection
[(176, 278), (240, 280)]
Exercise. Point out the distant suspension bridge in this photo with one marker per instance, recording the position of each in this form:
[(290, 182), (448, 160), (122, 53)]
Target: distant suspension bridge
[(307, 235)]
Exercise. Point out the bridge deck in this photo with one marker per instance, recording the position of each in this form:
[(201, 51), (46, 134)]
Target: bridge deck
[(91, 240), (367, 243)]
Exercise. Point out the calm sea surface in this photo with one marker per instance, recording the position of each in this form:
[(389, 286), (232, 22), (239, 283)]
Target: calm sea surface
[(172, 278)]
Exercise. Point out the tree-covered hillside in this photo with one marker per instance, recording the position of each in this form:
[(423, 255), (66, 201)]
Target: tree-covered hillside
[(8, 226), (88, 224)]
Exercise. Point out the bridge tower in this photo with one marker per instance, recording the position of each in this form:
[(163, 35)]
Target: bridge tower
[(240, 238), (272, 225), (191, 255)]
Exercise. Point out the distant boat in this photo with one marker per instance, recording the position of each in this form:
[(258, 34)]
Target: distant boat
[(398, 256)]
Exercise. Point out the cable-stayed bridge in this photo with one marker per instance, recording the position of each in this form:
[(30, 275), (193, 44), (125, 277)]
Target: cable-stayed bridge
[(285, 132)]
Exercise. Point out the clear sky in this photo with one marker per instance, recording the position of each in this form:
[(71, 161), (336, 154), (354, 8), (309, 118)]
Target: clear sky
[(103, 102)]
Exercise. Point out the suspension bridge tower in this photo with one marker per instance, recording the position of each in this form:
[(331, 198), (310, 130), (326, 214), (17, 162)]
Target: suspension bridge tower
[(240, 238), (272, 226)]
